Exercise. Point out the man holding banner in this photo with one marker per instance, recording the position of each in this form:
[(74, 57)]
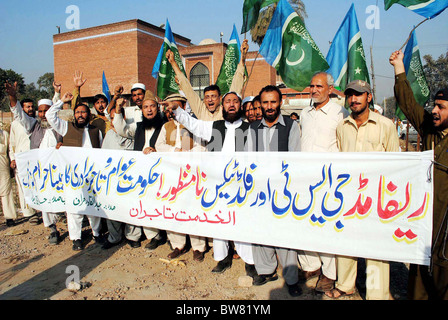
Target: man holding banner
[(319, 122), (79, 133), (363, 131), (175, 138), (274, 133), (428, 282), (41, 136), (145, 134), (228, 135)]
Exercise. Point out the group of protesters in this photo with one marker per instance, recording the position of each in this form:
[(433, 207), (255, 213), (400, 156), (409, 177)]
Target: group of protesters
[(229, 122)]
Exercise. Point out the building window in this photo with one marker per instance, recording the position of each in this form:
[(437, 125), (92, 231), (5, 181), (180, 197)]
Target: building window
[(199, 78)]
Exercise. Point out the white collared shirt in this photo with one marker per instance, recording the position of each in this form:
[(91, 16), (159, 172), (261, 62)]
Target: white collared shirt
[(319, 127)]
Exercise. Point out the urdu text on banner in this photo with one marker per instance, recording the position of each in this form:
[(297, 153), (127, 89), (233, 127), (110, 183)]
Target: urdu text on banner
[(370, 205)]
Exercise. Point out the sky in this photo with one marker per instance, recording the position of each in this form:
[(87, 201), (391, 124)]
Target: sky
[(27, 28)]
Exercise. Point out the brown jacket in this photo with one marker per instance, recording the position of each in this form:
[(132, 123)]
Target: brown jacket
[(432, 139)]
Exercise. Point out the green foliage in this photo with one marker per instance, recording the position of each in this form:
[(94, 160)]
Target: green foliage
[(436, 72), (30, 91), (265, 17)]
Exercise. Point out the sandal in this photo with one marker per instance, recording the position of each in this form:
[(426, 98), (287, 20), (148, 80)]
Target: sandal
[(335, 293)]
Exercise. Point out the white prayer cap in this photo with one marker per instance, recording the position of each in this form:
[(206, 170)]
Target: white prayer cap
[(233, 93), (47, 102), (378, 108), (138, 86), (248, 99)]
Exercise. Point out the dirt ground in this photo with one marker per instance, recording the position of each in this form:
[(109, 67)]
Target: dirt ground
[(32, 269)]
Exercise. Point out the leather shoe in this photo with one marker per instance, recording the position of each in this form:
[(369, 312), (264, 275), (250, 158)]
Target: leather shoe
[(198, 255), (250, 270), (294, 290), (134, 244), (261, 279), (176, 253), (154, 243), (77, 245), (107, 245), (223, 265)]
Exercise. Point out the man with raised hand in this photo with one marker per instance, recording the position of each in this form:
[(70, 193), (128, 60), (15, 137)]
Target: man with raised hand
[(227, 135), (41, 136), (77, 133), (209, 108), (429, 282), (19, 141)]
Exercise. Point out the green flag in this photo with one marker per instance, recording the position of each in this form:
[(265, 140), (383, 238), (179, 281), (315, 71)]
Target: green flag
[(230, 63), (251, 11), (162, 70), (426, 8), (346, 54), (290, 49), (414, 74)]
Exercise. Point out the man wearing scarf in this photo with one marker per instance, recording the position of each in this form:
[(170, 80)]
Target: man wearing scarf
[(145, 134)]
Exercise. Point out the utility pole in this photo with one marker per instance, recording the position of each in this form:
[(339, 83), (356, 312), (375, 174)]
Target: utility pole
[(373, 75)]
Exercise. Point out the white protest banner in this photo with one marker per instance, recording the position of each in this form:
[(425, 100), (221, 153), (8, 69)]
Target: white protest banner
[(370, 205)]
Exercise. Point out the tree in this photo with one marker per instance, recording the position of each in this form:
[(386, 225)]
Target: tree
[(10, 76), (436, 72), (260, 28), (45, 83)]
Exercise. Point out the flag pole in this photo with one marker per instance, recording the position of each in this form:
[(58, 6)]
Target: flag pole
[(410, 34), (251, 70)]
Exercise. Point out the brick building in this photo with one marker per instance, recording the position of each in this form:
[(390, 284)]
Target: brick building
[(126, 52)]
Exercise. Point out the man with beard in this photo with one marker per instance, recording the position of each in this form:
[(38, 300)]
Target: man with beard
[(19, 141), (363, 131), (209, 108), (78, 133), (100, 103), (318, 123), (227, 135), (145, 134), (429, 282), (174, 137), (41, 136), (274, 133)]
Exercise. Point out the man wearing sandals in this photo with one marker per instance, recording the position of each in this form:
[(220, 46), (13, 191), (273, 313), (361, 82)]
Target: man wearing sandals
[(352, 133), (319, 122)]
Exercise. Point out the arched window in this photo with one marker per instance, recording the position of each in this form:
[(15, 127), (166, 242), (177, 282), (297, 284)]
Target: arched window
[(199, 78)]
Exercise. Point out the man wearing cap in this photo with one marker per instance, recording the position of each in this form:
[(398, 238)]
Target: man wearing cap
[(363, 131), (209, 108), (248, 109), (174, 137), (318, 123), (145, 134), (227, 135), (100, 103), (429, 282), (274, 133), (19, 141), (41, 136), (77, 133)]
